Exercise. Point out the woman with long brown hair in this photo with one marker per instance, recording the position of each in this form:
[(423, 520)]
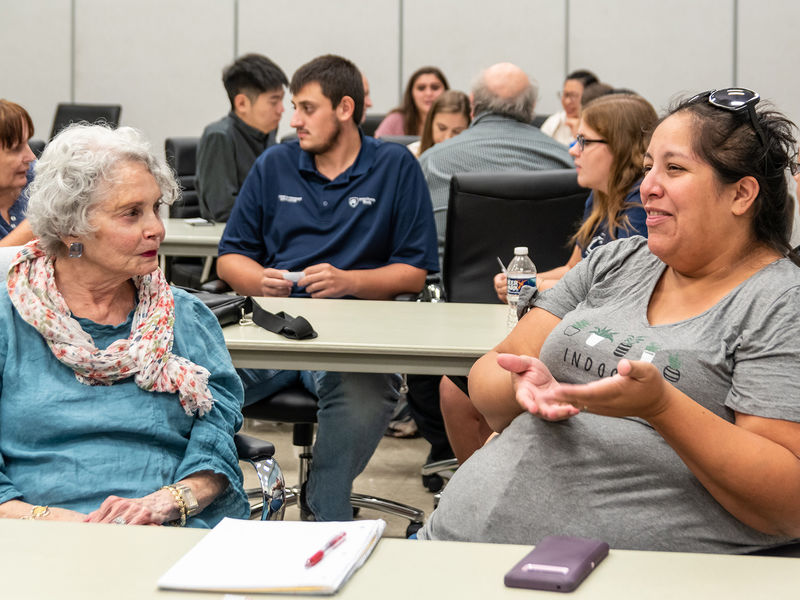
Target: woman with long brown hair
[(449, 115), (612, 138), (424, 86)]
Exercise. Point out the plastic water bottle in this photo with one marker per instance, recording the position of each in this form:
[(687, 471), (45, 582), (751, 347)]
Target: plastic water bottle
[(521, 271)]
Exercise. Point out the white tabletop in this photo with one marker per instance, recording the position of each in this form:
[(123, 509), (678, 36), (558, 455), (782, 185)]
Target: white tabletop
[(372, 336), (77, 561), (183, 239)]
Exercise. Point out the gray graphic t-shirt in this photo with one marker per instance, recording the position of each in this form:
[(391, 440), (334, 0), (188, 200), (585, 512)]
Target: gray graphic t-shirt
[(617, 479)]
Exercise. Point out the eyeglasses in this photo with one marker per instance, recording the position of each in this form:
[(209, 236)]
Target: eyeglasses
[(582, 141), (736, 100)]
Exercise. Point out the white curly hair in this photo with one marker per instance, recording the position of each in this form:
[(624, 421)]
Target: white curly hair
[(76, 172)]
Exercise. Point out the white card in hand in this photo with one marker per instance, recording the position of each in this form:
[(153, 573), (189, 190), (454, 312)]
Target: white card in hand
[(294, 276)]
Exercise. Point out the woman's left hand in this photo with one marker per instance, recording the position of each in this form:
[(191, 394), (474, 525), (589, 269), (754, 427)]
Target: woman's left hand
[(637, 390), (154, 509), (533, 384)]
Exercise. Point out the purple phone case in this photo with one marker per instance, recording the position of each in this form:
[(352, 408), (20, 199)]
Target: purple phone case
[(558, 563)]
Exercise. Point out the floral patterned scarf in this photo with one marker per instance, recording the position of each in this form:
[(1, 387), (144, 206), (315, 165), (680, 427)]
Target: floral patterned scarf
[(146, 354)]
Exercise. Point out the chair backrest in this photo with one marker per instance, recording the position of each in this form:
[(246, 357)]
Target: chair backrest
[(371, 123), (37, 147), (91, 113), (491, 213), (538, 120), (181, 153), (404, 140)]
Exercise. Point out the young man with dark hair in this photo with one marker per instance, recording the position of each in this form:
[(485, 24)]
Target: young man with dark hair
[(354, 215), (230, 146)]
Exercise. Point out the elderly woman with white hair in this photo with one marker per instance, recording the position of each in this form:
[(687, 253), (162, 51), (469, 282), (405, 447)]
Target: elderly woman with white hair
[(118, 400)]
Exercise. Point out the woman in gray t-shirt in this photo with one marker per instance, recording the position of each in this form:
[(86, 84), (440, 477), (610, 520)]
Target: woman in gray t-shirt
[(663, 414)]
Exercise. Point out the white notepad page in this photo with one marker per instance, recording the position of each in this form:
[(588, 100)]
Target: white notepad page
[(277, 552)]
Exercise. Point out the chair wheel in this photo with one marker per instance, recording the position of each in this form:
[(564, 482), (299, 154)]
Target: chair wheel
[(413, 528), (433, 483)]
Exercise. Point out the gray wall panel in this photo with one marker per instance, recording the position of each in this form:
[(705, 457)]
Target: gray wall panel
[(160, 60), (35, 57), (769, 52), (462, 41), (364, 32), (659, 48)]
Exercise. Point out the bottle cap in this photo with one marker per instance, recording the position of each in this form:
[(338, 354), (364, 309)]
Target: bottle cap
[(520, 251)]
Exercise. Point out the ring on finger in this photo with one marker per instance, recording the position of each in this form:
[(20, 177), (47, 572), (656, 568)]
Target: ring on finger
[(119, 521)]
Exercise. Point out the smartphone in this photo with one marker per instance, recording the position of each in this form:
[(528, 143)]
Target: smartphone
[(557, 563)]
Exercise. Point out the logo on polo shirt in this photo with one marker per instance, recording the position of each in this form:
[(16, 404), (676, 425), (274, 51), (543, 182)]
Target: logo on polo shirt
[(355, 201), (291, 199)]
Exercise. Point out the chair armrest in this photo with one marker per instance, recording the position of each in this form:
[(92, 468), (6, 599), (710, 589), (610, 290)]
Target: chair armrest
[(249, 447)]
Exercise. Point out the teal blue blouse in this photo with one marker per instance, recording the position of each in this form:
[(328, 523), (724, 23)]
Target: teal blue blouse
[(66, 444)]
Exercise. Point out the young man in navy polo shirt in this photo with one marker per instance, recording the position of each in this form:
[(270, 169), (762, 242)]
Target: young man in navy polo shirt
[(354, 215)]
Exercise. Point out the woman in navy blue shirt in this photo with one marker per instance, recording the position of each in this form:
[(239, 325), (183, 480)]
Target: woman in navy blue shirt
[(612, 138), (16, 158)]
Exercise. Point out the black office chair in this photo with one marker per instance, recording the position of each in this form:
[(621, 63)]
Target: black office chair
[(538, 120), (268, 500), (91, 113), (37, 147), (490, 213), (181, 154), (371, 123), (298, 406)]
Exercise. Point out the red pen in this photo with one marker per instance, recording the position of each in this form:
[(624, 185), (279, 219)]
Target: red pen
[(317, 556)]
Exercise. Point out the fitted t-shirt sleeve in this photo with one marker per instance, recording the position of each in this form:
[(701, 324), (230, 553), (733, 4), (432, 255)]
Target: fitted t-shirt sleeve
[(244, 232), (767, 361), (574, 286)]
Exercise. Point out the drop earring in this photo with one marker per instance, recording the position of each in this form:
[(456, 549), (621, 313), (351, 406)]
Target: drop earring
[(75, 250)]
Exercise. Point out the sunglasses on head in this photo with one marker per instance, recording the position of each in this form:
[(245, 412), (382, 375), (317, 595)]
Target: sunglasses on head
[(736, 100)]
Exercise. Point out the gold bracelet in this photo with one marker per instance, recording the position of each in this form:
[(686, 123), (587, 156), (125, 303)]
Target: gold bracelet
[(176, 493), (37, 512)]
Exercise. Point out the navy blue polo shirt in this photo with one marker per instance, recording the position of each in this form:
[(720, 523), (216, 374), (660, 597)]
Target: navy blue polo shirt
[(290, 216)]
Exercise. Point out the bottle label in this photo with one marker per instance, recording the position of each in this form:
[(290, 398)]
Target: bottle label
[(515, 283)]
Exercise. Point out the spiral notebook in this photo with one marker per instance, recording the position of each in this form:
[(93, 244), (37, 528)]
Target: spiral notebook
[(277, 552)]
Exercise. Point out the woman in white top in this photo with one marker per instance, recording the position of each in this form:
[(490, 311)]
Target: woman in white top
[(563, 125)]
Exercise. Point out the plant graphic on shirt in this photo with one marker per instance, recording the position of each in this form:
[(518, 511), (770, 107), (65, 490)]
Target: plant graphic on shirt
[(624, 347), (672, 372), (650, 352), (576, 327), (600, 334)]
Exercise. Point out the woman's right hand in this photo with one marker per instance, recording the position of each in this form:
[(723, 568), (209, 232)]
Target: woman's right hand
[(501, 287), (529, 377), (273, 283)]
